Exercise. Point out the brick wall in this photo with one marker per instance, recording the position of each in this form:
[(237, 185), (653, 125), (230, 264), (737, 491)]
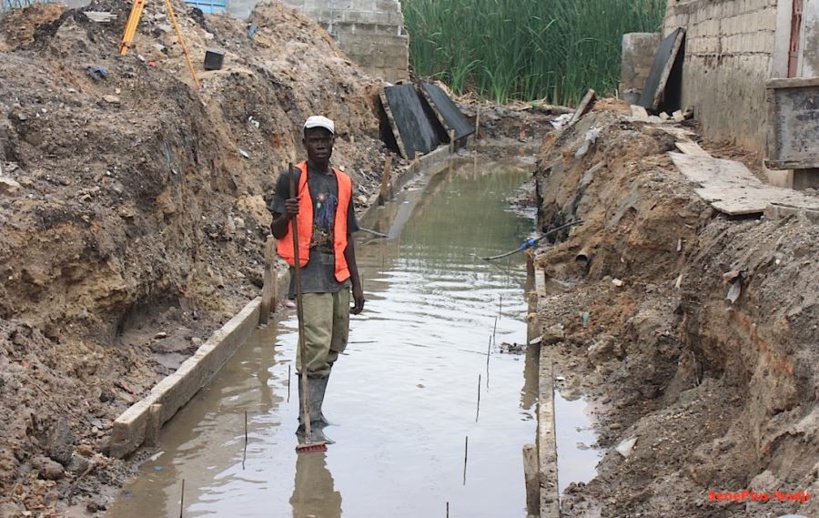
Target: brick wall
[(370, 32), (729, 55)]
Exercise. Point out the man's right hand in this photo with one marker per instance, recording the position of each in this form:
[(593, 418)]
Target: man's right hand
[(291, 208)]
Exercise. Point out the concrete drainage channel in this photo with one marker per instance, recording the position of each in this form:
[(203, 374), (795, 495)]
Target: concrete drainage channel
[(141, 423)]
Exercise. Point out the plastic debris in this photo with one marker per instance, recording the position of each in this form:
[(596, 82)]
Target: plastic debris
[(588, 142), (97, 73), (584, 318), (252, 29), (559, 122), (734, 291)]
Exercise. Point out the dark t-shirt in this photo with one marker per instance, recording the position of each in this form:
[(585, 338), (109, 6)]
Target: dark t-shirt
[(318, 276)]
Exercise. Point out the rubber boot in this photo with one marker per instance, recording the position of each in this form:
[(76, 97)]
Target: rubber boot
[(317, 388), (316, 397), (321, 388)]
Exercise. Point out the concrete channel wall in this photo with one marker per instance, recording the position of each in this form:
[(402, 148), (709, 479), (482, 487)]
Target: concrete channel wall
[(142, 422)]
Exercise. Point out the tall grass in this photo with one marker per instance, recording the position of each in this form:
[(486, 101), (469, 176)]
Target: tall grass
[(525, 49)]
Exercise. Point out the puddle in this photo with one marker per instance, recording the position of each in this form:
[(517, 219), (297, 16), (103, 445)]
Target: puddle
[(404, 393), (576, 457)]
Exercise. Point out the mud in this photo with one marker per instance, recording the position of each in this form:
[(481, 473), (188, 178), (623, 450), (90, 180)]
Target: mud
[(720, 396)]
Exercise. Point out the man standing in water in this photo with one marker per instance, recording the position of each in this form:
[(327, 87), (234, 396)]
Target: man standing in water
[(326, 219)]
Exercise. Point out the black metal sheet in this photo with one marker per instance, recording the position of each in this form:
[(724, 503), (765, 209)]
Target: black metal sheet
[(449, 114), (665, 59), (414, 127)]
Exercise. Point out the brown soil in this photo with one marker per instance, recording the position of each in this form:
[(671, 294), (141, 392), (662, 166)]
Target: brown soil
[(134, 212), (720, 396)]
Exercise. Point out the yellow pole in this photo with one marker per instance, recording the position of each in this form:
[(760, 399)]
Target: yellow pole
[(181, 42), (131, 26)]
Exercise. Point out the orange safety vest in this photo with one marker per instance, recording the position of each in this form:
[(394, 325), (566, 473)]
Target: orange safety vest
[(305, 219)]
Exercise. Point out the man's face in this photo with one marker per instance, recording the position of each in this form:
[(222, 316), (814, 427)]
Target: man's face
[(319, 144)]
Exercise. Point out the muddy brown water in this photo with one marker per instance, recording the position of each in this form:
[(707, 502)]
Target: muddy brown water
[(404, 394)]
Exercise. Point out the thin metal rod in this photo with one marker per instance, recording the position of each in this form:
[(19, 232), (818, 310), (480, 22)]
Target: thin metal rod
[(494, 331), (478, 412), (288, 383), (182, 500), (488, 355), (447, 510), (466, 455)]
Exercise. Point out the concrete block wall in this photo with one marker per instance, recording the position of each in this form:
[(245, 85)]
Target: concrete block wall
[(729, 55), (370, 32)]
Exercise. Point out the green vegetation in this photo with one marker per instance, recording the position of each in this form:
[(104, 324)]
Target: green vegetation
[(525, 49)]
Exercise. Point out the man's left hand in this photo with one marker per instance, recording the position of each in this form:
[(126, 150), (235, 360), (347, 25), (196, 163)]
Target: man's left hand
[(358, 298)]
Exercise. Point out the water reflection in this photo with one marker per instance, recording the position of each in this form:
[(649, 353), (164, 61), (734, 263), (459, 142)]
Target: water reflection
[(314, 494)]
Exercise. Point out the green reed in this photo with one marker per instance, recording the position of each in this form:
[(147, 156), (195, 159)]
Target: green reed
[(525, 49)]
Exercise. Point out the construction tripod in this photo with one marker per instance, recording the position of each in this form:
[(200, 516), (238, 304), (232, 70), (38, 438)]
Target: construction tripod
[(133, 22)]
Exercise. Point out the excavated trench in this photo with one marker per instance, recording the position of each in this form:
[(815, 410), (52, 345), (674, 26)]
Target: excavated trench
[(404, 395)]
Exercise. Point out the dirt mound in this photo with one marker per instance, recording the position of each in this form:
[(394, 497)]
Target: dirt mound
[(133, 211), (719, 395)]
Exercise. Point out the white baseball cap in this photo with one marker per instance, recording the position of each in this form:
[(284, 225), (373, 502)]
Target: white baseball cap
[(317, 121)]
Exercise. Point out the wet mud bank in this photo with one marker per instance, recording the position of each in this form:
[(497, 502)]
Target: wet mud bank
[(692, 334)]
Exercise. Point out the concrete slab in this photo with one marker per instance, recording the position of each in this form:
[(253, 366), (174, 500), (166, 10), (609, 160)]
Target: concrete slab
[(172, 393), (546, 437), (732, 189)]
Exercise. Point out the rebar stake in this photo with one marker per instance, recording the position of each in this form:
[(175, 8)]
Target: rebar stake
[(288, 383), (488, 355), (478, 412), (182, 499), (466, 455)]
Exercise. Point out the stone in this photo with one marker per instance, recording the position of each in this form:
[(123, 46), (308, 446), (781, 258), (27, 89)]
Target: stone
[(48, 469), (553, 334), (111, 99), (605, 348), (9, 187), (78, 465), (61, 444)]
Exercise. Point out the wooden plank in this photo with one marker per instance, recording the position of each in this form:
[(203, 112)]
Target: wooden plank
[(793, 82), (384, 194), (585, 105), (418, 129), (661, 69), (691, 148), (446, 111), (393, 125)]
